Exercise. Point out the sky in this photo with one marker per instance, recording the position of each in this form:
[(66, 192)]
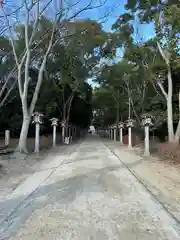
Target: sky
[(106, 14), (112, 9)]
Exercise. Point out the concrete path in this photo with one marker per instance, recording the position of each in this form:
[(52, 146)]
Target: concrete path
[(91, 195)]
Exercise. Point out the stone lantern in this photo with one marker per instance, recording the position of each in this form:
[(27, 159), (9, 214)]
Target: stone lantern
[(121, 126), (37, 120), (54, 125), (129, 125), (147, 121)]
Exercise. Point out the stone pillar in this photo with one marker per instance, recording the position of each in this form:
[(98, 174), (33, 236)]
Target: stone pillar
[(129, 137), (146, 143), (121, 126), (7, 137), (147, 122), (129, 126), (37, 121), (37, 137), (121, 136), (54, 125)]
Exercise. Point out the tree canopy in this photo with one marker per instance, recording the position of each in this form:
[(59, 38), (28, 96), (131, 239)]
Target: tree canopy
[(46, 62)]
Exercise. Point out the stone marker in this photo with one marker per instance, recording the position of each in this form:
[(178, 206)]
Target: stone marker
[(7, 137)]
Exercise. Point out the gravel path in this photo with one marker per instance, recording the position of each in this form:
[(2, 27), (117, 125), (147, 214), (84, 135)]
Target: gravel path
[(91, 195)]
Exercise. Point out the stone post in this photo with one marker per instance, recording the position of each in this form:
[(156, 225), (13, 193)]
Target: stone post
[(37, 121), (7, 137), (146, 122), (129, 126), (54, 125), (121, 126)]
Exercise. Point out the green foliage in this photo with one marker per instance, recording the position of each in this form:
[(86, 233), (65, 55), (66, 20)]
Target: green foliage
[(135, 77), (77, 56), (68, 67)]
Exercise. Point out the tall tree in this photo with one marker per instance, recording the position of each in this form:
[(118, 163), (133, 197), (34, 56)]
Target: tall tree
[(31, 35)]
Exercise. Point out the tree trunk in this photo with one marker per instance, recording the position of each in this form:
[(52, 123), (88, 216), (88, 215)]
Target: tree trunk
[(171, 136), (22, 144), (168, 96), (69, 108), (177, 134), (117, 115), (170, 121)]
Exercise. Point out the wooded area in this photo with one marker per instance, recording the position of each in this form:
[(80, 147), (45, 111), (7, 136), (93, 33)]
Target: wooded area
[(146, 79), (48, 55)]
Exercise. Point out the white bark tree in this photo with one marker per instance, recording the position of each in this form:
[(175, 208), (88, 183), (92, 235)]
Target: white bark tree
[(173, 136), (37, 8), (167, 42)]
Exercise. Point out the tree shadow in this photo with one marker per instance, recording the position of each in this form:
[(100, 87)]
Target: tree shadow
[(62, 192)]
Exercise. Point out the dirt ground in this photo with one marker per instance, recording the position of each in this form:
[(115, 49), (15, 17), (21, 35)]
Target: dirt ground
[(160, 177), (85, 194), (15, 169)]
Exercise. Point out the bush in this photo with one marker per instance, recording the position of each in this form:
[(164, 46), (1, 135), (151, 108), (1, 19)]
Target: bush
[(169, 151)]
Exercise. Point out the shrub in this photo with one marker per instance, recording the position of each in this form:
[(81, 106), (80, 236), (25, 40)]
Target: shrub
[(169, 151)]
